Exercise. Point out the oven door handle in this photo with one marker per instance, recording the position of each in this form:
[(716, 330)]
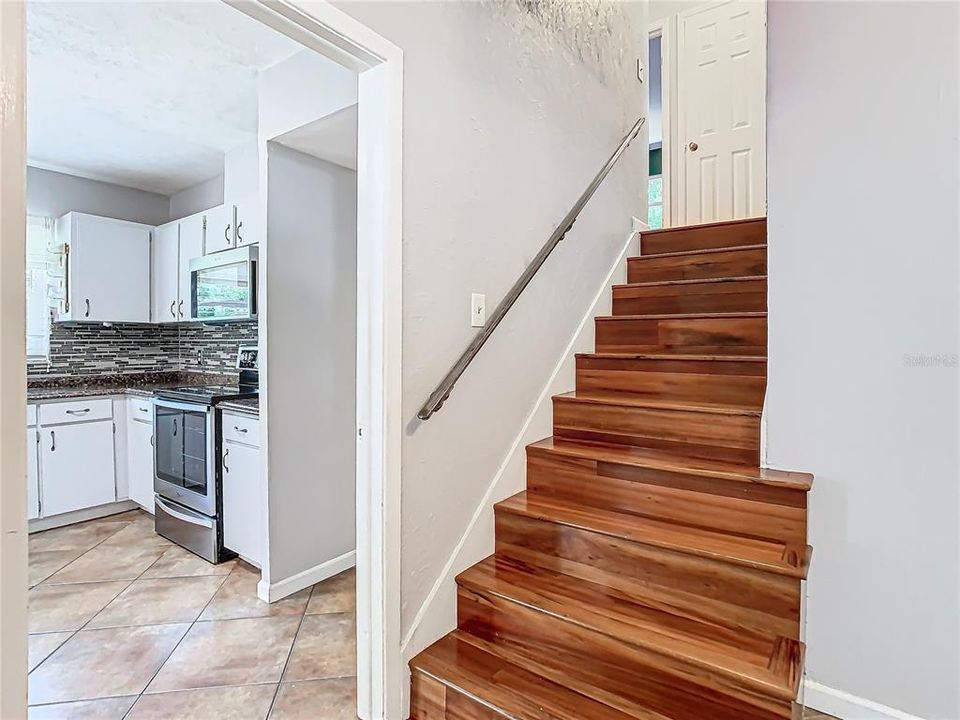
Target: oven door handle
[(202, 522)]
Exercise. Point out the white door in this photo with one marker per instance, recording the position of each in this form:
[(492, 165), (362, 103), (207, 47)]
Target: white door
[(721, 112), (220, 231), (191, 246), (110, 270), (76, 462), (33, 476), (166, 272), (248, 222), (140, 462), (242, 527)]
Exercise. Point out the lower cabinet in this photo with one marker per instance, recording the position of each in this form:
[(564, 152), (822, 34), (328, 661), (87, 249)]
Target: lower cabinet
[(33, 475), (140, 462), (242, 523), (76, 464)]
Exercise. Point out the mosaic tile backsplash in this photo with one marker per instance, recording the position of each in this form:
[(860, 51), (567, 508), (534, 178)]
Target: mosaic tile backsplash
[(78, 349)]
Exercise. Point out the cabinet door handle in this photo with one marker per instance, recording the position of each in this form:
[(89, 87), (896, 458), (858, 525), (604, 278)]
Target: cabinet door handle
[(87, 313), (146, 410), (180, 308), (174, 427), (239, 236), (240, 429), (78, 412), (173, 305), (226, 232), (226, 452), (151, 441), (53, 441)]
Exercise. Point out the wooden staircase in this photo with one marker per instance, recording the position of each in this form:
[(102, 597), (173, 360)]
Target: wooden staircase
[(651, 570)]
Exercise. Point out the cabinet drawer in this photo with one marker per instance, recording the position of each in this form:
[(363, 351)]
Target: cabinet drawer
[(140, 409), (241, 428), (76, 411), (31, 415)]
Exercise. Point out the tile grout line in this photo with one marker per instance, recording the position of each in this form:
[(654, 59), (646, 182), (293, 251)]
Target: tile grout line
[(286, 662), (96, 545), (185, 633)]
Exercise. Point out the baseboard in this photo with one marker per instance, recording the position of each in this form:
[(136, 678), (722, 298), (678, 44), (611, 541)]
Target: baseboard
[(78, 516), (848, 707), (437, 615), (271, 592)]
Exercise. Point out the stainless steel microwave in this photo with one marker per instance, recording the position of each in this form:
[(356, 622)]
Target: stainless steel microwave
[(223, 285)]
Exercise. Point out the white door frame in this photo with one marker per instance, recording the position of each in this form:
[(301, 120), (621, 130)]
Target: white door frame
[(664, 29), (319, 26)]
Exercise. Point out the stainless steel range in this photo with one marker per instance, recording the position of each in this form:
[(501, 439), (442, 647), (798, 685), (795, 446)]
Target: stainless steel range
[(186, 472)]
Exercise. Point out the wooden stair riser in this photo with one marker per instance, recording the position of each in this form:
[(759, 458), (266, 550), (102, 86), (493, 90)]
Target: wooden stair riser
[(432, 700), (695, 335), (603, 663), (741, 508), (704, 237), (705, 297), (748, 261), (712, 589), (731, 437), (732, 382)]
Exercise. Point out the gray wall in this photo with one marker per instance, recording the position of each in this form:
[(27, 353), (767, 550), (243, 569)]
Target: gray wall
[(863, 223), (505, 123), (53, 194), (310, 361), (201, 196)]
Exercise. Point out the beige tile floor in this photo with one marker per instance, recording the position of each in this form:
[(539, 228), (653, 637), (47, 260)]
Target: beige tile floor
[(127, 626)]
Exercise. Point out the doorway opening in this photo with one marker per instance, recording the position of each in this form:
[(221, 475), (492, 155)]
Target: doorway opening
[(369, 426)]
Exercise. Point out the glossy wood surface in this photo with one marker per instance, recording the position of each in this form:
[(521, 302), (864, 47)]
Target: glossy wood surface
[(750, 260), (651, 570)]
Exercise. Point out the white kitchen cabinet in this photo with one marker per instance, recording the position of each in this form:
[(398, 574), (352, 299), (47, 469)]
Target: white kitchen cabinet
[(166, 273), (248, 222), (191, 247), (77, 466), (242, 521), (140, 457), (33, 470), (107, 269), (221, 234)]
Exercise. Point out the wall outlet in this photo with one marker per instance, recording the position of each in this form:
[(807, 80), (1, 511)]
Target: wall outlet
[(478, 310)]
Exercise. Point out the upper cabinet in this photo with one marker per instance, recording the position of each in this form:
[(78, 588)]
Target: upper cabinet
[(166, 269), (247, 221), (221, 231), (107, 269)]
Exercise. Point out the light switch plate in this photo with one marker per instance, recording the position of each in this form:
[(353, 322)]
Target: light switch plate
[(478, 310)]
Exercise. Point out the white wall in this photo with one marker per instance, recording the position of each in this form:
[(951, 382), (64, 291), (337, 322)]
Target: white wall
[(52, 194), (863, 232), (505, 124), (300, 90), (201, 196), (310, 379)]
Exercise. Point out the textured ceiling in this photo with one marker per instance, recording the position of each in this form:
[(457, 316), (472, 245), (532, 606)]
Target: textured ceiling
[(144, 94)]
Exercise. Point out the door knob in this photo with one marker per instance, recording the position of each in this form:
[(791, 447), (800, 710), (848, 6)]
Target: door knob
[(693, 147)]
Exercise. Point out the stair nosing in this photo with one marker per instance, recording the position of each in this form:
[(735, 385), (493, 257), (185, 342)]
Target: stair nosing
[(673, 357), (691, 281), (574, 396), (683, 316), (704, 226), (703, 251), (756, 565), (780, 690)]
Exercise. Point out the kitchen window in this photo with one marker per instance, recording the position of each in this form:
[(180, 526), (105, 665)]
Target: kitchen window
[(44, 284)]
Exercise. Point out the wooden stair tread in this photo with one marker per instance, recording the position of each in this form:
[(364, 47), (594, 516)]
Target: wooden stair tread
[(707, 251), (684, 316), (646, 622), (507, 689), (693, 281), (627, 400), (765, 555), (672, 357), (654, 460), (702, 226)]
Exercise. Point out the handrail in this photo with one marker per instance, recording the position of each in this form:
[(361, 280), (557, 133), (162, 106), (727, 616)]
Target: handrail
[(442, 391)]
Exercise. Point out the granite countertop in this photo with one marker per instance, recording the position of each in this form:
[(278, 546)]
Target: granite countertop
[(141, 384), (247, 406)]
